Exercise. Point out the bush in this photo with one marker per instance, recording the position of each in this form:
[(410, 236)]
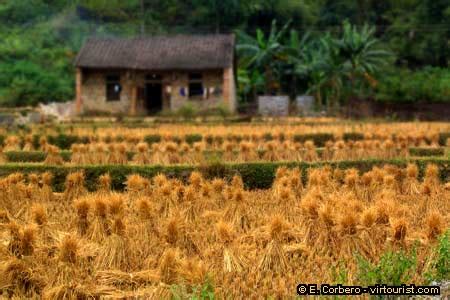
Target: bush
[(353, 136), (393, 268), (443, 137), (403, 85), (152, 139), (440, 266), (319, 139), (188, 111), (192, 138), (64, 141)]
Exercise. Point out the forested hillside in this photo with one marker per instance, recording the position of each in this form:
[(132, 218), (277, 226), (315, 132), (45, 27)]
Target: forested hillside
[(40, 38)]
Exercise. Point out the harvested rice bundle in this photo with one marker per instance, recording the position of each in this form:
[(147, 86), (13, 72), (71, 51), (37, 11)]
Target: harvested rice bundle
[(274, 258), (350, 239), (411, 185), (218, 186), (328, 151), (112, 158), (121, 154), (99, 229), (85, 156), (197, 155), (75, 158), (431, 178), (53, 157), (176, 234), (74, 186), (34, 189), (167, 268), (389, 150), (115, 252), (311, 152), (104, 184), (170, 154), (43, 144), (399, 229), (19, 280), (82, 207), (228, 151), (22, 240), (136, 186), (358, 150), (3, 158), (12, 143), (435, 225), (28, 145), (142, 156), (270, 151), (99, 156), (247, 152), (232, 261), (46, 190), (340, 151)]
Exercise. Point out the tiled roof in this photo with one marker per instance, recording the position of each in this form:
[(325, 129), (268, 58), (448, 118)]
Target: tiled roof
[(158, 52)]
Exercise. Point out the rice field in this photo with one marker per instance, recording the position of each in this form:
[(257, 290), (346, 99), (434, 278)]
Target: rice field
[(208, 237)]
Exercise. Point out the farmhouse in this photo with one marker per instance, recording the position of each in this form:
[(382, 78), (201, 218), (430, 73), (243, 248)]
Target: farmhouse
[(150, 74)]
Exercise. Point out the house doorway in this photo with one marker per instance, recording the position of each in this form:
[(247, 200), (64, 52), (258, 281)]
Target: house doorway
[(153, 94)]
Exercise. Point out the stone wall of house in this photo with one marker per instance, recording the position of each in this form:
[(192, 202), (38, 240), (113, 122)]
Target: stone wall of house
[(175, 90), (93, 93), (212, 81)]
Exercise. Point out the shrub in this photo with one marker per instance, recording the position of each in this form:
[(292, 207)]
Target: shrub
[(319, 138), (403, 85), (393, 268), (192, 138), (63, 141), (440, 266), (188, 111), (353, 136), (152, 139)]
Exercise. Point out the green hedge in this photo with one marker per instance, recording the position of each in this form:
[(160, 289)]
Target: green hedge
[(39, 156), (258, 175), (422, 152)]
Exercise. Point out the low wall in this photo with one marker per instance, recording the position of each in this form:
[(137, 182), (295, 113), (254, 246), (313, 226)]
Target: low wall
[(273, 105)]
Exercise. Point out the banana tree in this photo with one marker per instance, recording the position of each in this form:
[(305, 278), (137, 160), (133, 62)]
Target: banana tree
[(263, 54), (362, 52)]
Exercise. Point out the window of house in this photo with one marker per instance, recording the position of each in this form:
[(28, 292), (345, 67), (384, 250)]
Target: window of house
[(113, 88), (195, 85)]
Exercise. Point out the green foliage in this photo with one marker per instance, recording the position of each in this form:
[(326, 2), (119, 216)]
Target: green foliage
[(439, 269), (188, 111), (64, 141), (393, 268), (402, 85), (203, 292), (443, 137), (320, 55), (192, 138), (319, 139)]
